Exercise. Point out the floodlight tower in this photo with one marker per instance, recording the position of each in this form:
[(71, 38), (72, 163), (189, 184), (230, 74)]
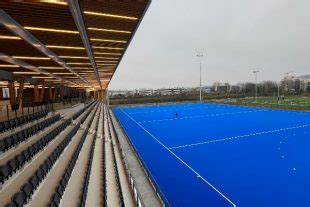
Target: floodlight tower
[(255, 74), (200, 56), (279, 91)]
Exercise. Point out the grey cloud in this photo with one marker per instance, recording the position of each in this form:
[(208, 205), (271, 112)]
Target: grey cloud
[(235, 36)]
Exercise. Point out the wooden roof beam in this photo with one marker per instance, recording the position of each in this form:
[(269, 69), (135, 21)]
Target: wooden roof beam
[(27, 66), (8, 22), (78, 19)]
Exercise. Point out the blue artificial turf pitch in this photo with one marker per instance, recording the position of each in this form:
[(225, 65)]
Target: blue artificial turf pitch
[(223, 155)]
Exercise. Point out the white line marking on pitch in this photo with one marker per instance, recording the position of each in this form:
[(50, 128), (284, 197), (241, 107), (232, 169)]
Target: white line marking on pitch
[(240, 136), (176, 108), (176, 156), (201, 116)]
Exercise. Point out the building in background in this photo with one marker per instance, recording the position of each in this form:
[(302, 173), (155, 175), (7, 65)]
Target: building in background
[(292, 83), (121, 93), (207, 89), (221, 87), (288, 83), (144, 92), (168, 91), (235, 89), (304, 82)]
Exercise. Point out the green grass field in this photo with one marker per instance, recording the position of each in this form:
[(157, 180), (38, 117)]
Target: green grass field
[(289, 102)]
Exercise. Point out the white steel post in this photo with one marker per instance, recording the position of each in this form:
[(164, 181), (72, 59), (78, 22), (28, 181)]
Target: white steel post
[(255, 73), (200, 55)]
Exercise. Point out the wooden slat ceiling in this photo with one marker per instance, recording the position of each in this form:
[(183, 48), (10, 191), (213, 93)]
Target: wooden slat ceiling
[(110, 26)]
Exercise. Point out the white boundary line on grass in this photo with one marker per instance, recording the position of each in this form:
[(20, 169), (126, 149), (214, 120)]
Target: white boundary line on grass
[(176, 156), (240, 136), (201, 116)]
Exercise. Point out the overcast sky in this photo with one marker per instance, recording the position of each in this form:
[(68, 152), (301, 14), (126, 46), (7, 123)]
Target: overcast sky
[(236, 37)]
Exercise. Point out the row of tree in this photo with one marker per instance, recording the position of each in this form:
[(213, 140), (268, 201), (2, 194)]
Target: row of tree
[(272, 88)]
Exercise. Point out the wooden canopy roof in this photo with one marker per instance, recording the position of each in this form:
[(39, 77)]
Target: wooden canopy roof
[(74, 43)]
